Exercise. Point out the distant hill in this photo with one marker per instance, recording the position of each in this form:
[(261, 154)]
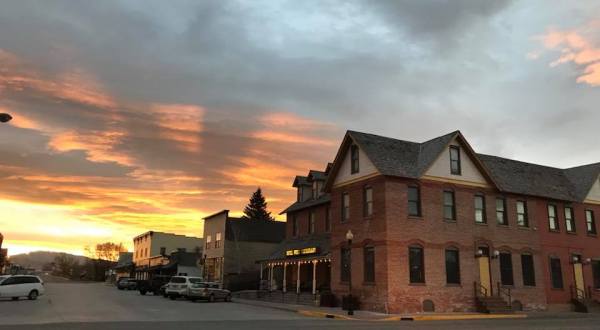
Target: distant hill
[(38, 259)]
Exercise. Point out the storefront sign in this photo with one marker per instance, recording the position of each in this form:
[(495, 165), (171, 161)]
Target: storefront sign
[(301, 252)]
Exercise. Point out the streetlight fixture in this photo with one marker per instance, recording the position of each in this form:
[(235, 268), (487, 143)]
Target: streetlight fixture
[(349, 237), (5, 118)]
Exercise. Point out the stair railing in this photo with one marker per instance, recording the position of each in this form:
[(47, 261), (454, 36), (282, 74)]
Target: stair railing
[(505, 292), (577, 293), (479, 290)]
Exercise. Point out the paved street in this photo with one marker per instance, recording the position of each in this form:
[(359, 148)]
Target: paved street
[(97, 306)]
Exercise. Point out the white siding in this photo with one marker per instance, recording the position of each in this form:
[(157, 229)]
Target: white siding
[(469, 172), (594, 194), (365, 167)]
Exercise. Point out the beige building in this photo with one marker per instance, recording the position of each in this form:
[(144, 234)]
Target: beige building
[(152, 246), (232, 246)]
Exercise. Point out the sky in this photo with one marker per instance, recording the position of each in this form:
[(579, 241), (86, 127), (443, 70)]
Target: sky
[(143, 115)]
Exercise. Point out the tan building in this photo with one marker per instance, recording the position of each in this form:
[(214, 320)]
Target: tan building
[(232, 246), (152, 246)]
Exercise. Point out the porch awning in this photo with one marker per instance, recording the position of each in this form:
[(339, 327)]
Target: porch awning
[(305, 248)]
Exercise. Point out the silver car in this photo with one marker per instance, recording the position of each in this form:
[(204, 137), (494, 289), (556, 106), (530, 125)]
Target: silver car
[(210, 291)]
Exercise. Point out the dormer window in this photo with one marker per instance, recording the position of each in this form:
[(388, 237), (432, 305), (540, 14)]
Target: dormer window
[(355, 163), (317, 186), (455, 160)]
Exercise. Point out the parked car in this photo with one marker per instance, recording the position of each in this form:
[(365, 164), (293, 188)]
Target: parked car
[(163, 290), (126, 283), (208, 291), (21, 286), (179, 286), (153, 285)]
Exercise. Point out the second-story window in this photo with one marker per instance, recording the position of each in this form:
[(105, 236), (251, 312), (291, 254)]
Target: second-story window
[(354, 159), (294, 225), (449, 207), (480, 209), (552, 219), (368, 202), (317, 186), (569, 220), (345, 207), (208, 241), (414, 201), (218, 240), (328, 219), (522, 219), (311, 222), (590, 222), (455, 160), (501, 218)]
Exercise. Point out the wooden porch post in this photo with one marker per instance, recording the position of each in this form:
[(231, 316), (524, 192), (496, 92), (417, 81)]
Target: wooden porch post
[(298, 280), (314, 282), (284, 277)]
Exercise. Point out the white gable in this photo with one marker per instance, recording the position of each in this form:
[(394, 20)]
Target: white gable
[(366, 168), (594, 194), (440, 169)]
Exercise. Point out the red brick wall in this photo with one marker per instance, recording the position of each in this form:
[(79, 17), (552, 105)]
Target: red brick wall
[(391, 231), (563, 245)]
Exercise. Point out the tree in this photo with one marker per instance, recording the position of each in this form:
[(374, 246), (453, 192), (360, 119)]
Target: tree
[(257, 207), (65, 265), (105, 251)]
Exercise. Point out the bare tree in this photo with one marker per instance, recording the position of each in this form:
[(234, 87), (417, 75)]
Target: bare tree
[(105, 251)]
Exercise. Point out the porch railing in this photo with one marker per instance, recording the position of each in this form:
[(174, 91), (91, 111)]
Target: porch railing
[(505, 292), (479, 290), (577, 293)]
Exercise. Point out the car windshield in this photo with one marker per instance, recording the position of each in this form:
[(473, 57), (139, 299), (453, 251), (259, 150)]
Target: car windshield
[(195, 280)]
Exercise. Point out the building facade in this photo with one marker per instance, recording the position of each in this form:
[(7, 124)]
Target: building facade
[(439, 227), (152, 246), (232, 245)]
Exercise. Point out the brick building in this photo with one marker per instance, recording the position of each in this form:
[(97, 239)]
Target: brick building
[(439, 227)]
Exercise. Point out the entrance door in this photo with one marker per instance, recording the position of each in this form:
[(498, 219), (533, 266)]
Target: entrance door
[(484, 270), (579, 284)]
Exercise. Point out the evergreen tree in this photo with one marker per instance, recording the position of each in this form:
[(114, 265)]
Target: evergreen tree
[(257, 207)]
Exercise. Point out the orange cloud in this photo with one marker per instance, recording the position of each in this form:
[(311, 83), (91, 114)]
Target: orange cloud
[(181, 123), (576, 47), (98, 145)]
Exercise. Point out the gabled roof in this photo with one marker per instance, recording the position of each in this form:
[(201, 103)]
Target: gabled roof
[(301, 181), (325, 198), (583, 178)]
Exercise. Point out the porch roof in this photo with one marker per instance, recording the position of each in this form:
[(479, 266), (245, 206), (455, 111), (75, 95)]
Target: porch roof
[(318, 241)]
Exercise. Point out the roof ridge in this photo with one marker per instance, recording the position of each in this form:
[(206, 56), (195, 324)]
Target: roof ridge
[(522, 162), (581, 166), (383, 137), (441, 136)]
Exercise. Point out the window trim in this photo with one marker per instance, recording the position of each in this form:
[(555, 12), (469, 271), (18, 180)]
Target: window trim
[(548, 207), (525, 213), (453, 219), (366, 203), (572, 220), (483, 209), (354, 159), (458, 161), (417, 201)]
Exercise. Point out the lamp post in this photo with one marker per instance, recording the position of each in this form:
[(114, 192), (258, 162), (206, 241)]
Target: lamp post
[(349, 237), (5, 118)]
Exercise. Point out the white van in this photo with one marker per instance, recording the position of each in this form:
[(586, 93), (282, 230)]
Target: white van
[(17, 286), (179, 286)]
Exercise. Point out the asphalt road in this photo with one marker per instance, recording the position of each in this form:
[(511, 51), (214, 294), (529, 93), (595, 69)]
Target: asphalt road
[(81, 306)]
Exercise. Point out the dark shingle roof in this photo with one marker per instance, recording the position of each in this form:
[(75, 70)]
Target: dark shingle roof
[(266, 231), (301, 181), (316, 175), (529, 179), (325, 198), (583, 178), (320, 241)]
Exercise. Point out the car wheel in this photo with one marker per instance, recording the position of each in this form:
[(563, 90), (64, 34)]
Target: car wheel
[(228, 298), (211, 298), (33, 295)]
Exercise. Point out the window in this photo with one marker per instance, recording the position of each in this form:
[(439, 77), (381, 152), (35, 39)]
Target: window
[(317, 186), (328, 219), (311, 222), (569, 220), (590, 222), (596, 273), (556, 273), (416, 264), (455, 160), (480, 209), (528, 270), (501, 211), (552, 220), (452, 266), (355, 166), (345, 263), (368, 202), (414, 201), (294, 225), (163, 251), (506, 269), (218, 240), (449, 209), (369, 264), (345, 207), (522, 214)]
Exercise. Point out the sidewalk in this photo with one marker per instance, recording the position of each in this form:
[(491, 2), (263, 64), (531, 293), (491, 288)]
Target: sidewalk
[(338, 313)]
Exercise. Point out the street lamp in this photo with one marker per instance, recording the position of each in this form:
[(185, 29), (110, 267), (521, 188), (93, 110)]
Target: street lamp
[(349, 237), (4, 117)]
